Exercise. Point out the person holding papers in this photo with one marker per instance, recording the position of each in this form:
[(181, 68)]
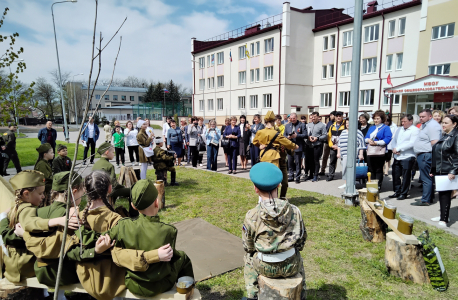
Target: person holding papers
[(445, 163)]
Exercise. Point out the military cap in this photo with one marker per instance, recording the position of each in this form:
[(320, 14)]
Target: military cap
[(60, 181), (266, 176), (144, 193), (104, 148), (27, 179), (44, 148), (270, 116), (61, 147)]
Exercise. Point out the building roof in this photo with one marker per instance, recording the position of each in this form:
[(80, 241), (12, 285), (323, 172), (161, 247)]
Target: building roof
[(333, 22), (117, 89)]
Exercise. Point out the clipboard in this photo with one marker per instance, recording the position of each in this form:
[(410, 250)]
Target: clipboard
[(445, 184)]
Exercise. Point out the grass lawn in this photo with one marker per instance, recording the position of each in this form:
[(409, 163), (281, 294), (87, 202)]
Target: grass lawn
[(338, 263), (157, 127), (25, 148)]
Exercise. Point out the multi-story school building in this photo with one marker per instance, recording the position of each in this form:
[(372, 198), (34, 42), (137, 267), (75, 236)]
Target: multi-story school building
[(300, 61)]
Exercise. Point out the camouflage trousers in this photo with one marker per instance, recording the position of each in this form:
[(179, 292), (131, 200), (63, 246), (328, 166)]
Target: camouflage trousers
[(287, 268)]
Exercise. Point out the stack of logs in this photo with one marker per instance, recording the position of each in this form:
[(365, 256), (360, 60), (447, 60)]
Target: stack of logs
[(403, 256)]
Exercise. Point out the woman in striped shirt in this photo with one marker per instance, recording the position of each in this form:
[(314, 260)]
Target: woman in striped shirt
[(342, 149)]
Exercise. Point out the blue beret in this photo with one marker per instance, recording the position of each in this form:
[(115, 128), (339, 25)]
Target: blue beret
[(266, 176)]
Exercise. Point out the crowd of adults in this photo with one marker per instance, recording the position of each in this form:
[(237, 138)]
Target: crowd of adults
[(426, 143)]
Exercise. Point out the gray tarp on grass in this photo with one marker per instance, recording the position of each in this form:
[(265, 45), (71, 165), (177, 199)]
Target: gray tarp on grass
[(212, 250)]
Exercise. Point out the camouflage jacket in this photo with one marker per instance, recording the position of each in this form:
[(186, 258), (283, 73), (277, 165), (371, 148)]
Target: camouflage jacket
[(272, 227), (161, 160)]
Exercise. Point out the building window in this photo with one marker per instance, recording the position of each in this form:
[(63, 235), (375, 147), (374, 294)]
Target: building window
[(258, 75), (115, 97), (391, 28), (269, 45), (210, 104), (399, 58), (443, 31), (201, 105), (212, 60), (344, 99), (97, 97), (201, 62), (242, 77), (440, 69), (211, 83), (267, 100), (255, 48), (371, 33), (220, 58), (254, 101), (332, 42), (325, 43), (107, 97), (201, 84), (348, 38), (326, 100), (219, 103), (123, 98), (396, 100), (346, 69), (220, 80), (268, 73), (324, 72), (140, 98), (252, 76), (367, 98), (370, 65), (242, 52), (402, 26), (132, 98), (331, 71), (242, 102), (389, 63), (208, 61)]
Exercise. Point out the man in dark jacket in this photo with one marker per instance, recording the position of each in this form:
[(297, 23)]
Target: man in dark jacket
[(254, 151), (9, 149), (324, 162), (48, 135), (333, 139), (296, 132)]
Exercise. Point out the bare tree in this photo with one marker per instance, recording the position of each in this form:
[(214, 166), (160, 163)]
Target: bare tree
[(89, 97), (55, 77), (46, 97)]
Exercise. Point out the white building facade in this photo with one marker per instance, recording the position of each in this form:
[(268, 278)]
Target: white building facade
[(301, 62)]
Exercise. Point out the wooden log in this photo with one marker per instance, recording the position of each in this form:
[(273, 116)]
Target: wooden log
[(405, 261), (161, 193), (280, 288), (372, 226), (362, 195)]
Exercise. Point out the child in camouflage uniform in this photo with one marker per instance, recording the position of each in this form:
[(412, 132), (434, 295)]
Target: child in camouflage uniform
[(273, 233), (61, 162), (163, 162)]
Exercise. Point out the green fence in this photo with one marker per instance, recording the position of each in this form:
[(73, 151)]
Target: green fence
[(154, 111)]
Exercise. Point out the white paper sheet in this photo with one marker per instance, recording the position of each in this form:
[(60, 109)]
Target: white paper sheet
[(445, 184)]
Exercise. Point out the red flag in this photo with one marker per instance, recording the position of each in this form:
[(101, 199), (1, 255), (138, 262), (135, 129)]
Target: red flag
[(388, 80)]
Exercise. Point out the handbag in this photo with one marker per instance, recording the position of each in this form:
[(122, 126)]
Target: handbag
[(225, 143), (376, 150), (361, 170), (201, 147)]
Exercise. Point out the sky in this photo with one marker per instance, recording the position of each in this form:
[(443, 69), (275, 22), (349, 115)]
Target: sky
[(156, 38)]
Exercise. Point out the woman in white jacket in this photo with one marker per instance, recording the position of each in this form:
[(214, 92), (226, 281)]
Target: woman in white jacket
[(130, 134)]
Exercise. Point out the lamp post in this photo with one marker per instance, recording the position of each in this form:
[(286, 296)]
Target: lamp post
[(58, 67), (14, 97), (74, 97)]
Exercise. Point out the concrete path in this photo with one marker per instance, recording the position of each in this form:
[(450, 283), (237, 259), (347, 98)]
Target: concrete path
[(422, 213)]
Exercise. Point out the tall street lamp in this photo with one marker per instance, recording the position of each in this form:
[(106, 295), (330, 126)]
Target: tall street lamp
[(14, 97), (58, 67), (74, 97)]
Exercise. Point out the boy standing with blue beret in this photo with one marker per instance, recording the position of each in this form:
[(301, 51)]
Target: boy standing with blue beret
[(273, 233)]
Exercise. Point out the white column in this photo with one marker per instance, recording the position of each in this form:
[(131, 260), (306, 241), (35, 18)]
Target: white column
[(424, 15), (286, 24)]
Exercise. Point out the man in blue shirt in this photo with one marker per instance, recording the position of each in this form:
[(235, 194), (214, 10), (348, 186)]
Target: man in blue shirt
[(90, 136), (324, 161)]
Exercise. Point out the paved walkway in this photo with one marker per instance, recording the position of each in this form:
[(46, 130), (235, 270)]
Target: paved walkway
[(422, 213)]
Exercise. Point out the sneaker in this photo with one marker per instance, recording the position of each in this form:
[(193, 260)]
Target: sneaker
[(201, 165), (117, 166), (420, 203), (342, 186), (321, 174), (437, 219), (315, 179), (443, 224)]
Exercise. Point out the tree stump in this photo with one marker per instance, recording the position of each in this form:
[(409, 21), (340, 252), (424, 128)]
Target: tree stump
[(280, 288), (405, 261), (159, 184), (362, 195), (372, 227)]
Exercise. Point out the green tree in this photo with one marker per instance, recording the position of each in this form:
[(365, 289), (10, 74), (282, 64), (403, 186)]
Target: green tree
[(158, 92), (15, 96), (149, 94)]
